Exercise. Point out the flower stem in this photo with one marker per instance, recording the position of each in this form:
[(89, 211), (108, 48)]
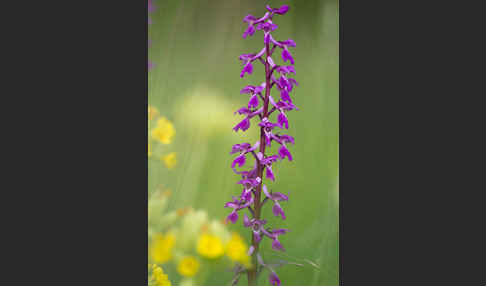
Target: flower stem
[(252, 273)]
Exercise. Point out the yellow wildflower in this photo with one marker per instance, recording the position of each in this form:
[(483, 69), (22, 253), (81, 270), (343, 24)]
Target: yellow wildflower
[(237, 250), (170, 160), (159, 278), (164, 131), (188, 266), (210, 246), (161, 247)]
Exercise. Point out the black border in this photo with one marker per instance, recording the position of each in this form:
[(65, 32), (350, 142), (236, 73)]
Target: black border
[(406, 135)]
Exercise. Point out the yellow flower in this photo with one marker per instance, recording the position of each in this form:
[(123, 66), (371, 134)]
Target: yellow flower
[(159, 278), (161, 247), (210, 246), (188, 266), (237, 250), (164, 131), (149, 150), (170, 160)]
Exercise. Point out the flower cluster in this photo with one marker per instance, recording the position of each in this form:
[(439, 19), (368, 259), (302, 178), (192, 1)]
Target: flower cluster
[(158, 277), (187, 241), (262, 105), (162, 134)]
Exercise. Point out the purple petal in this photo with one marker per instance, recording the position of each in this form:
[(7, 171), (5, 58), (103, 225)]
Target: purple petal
[(282, 70), (233, 205), (277, 210), (287, 138), (276, 245), (249, 18), (282, 10), (233, 216), (258, 89), (243, 110), (246, 57), (246, 195), (240, 160), (291, 69), (287, 56), (268, 137), (240, 147), (248, 68), (250, 250), (274, 280), (269, 173), (293, 82), (247, 89), (289, 43), (284, 152), (279, 231), (286, 106), (282, 120), (283, 82), (257, 236), (266, 123), (249, 31), (284, 95), (243, 125), (246, 220), (253, 101), (267, 27), (277, 196)]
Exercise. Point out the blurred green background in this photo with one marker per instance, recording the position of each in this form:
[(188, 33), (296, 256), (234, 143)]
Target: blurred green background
[(195, 83)]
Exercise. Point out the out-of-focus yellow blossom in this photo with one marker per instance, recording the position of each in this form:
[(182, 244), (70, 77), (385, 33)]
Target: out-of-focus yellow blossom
[(152, 112), (149, 150), (161, 247), (188, 266), (237, 250), (210, 246), (159, 278), (170, 160), (164, 131)]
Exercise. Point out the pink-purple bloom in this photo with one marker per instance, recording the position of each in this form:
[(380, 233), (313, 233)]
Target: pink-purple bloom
[(273, 278), (262, 105)]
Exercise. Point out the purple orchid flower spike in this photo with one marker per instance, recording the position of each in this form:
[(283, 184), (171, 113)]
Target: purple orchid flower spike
[(262, 106)]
